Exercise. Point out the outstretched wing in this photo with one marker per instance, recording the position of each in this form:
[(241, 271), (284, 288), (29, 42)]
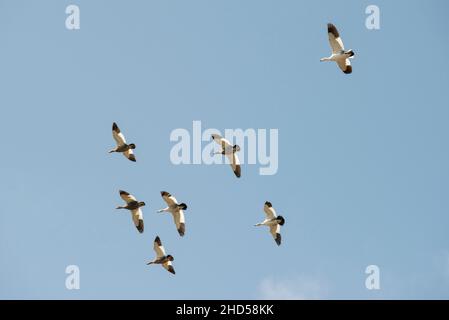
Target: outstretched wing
[(169, 267), (334, 39), (180, 222), (118, 135), (269, 210), (235, 163), (169, 199), (158, 247), (276, 233), (224, 143), (130, 155), (138, 219), (345, 66), (127, 197)]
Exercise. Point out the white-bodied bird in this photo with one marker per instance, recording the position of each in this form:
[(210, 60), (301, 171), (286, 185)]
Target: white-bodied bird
[(134, 206), (122, 146), (176, 210), (230, 151), (161, 257), (339, 54), (273, 221)]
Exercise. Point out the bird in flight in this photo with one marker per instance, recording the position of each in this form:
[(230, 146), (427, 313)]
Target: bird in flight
[(122, 146), (161, 257), (134, 206), (273, 221), (230, 151), (177, 210), (339, 54)]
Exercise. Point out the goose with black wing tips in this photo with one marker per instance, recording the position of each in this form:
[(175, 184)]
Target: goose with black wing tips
[(273, 221), (339, 54), (161, 257), (230, 151), (177, 210), (122, 147), (134, 206)]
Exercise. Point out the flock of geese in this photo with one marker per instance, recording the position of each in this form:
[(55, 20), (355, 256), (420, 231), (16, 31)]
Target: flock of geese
[(176, 209)]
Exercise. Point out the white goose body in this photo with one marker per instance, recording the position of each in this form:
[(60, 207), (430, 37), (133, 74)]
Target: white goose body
[(134, 206), (230, 151), (177, 211), (122, 147), (273, 221), (339, 54), (161, 257), (338, 57)]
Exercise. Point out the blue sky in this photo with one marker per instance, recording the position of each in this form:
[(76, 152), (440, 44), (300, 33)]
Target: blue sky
[(363, 158)]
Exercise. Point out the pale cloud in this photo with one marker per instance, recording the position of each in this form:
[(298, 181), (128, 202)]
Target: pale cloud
[(294, 288)]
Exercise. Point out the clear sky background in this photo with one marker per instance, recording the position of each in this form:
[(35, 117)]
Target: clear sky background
[(363, 158)]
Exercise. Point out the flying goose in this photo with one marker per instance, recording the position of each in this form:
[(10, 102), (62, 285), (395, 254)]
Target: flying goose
[(176, 210), (339, 54), (161, 257), (134, 206), (230, 151), (122, 146), (273, 221)]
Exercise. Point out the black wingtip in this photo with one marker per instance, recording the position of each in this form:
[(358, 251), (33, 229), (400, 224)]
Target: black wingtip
[(182, 229), (332, 29), (278, 239), (348, 70), (140, 226), (237, 171)]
